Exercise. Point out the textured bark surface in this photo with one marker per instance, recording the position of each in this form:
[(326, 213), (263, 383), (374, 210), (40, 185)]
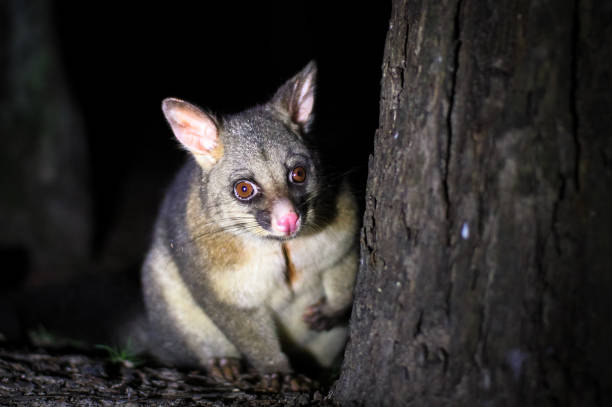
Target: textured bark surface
[(487, 242)]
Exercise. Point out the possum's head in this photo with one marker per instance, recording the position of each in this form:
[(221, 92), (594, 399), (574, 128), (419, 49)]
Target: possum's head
[(260, 176)]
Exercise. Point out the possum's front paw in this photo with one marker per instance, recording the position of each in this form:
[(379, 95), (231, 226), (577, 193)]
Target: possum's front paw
[(318, 318), (225, 369)]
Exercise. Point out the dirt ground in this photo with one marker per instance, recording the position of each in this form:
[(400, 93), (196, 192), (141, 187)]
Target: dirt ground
[(68, 378)]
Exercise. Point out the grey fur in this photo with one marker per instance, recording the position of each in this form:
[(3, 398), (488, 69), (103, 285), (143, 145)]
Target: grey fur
[(215, 280)]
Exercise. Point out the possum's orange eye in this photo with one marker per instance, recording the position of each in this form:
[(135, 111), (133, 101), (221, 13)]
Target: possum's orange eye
[(244, 190), (298, 175)]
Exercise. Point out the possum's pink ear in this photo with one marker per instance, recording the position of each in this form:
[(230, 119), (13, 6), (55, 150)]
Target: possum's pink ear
[(197, 131), (295, 99)]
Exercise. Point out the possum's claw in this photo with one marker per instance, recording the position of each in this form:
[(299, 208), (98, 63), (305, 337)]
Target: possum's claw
[(275, 382), (318, 319), (225, 369)]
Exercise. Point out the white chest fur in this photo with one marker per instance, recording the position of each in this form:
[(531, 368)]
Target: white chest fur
[(263, 275), (249, 284)]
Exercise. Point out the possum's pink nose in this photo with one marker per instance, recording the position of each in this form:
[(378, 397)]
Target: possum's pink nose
[(284, 220), (288, 223)]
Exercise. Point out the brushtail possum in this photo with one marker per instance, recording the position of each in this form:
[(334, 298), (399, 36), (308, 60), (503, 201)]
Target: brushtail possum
[(254, 249)]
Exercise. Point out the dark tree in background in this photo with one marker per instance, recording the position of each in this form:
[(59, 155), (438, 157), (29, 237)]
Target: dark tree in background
[(486, 273), (45, 205)]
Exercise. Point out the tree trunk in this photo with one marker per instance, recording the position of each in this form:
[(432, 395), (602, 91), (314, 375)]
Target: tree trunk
[(486, 272), (45, 219)]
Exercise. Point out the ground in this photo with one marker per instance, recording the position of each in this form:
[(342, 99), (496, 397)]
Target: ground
[(70, 378)]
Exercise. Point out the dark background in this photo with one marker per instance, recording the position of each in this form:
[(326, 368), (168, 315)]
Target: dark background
[(118, 61), (122, 60)]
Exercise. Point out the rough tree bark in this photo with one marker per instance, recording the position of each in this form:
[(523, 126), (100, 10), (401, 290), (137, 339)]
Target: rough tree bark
[(487, 241)]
